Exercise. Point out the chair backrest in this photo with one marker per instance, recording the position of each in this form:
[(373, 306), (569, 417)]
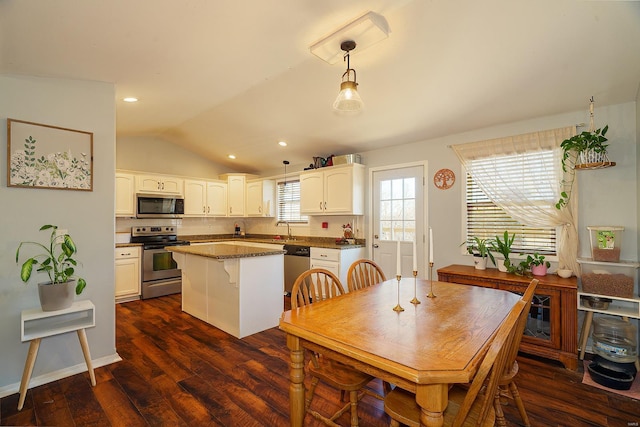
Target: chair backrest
[(314, 285), (527, 297), (491, 367), (363, 273)]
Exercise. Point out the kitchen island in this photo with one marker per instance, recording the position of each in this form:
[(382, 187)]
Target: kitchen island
[(236, 288)]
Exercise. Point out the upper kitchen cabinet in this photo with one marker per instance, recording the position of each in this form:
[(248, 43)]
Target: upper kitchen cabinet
[(205, 198), (236, 193), (335, 190), (125, 194), (260, 198), (159, 184)]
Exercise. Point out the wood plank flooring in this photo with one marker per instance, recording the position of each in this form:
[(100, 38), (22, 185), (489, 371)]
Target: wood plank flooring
[(179, 371)]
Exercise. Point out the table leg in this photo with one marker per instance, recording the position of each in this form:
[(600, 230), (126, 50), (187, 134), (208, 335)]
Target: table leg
[(82, 336), (584, 334), (296, 387), (28, 369), (433, 399)]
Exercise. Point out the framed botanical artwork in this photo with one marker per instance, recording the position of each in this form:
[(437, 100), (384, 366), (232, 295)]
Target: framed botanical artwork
[(43, 156)]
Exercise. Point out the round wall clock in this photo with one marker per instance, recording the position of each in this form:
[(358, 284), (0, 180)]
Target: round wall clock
[(444, 179)]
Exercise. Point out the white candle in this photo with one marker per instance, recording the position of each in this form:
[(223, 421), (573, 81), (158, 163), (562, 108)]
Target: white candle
[(415, 258), (430, 245), (398, 262)]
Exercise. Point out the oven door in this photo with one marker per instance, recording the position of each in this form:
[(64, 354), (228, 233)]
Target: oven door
[(158, 264)]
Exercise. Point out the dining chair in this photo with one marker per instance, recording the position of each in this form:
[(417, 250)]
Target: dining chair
[(468, 406), (363, 273), (315, 285), (506, 385)]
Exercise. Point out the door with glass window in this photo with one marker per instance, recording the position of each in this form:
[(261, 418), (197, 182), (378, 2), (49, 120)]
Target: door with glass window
[(399, 216)]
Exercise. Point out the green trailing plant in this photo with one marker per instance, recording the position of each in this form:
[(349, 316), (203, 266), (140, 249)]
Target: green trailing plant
[(479, 247), (503, 247), (538, 259), (56, 260), (523, 268), (571, 149)]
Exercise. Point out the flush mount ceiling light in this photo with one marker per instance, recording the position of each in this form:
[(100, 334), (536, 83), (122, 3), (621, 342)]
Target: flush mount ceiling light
[(231, 156), (130, 99), (368, 29), (348, 100)]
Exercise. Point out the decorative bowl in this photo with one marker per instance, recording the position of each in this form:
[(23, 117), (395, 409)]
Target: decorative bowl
[(564, 273)]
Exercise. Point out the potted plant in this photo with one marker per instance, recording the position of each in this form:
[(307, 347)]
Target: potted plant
[(479, 248), (57, 262), (585, 148), (538, 265), (503, 247)]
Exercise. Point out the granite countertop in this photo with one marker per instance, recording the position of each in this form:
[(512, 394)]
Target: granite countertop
[(222, 251), (127, 245), (316, 242)]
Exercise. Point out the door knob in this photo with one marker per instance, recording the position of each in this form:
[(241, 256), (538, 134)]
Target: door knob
[(376, 245)]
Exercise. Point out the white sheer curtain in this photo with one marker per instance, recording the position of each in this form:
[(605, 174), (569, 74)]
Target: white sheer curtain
[(526, 193)]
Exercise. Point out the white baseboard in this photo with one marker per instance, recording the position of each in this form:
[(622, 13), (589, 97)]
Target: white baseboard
[(62, 373)]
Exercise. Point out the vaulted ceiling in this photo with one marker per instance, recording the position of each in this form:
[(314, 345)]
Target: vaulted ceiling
[(235, 77)]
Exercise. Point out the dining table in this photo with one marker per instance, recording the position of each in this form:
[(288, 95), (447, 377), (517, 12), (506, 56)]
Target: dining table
[(424, 348)]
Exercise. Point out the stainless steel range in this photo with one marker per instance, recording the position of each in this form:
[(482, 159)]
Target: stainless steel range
[(160, 273)]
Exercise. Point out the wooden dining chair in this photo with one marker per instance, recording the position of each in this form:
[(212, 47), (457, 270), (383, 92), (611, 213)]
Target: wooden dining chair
[(506, 385), (363, 273), (312, 286), (468, 406)]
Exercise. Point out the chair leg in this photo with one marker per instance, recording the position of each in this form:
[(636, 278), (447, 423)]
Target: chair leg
[(519, 404), (353, 398), (309, 394), (497, 406), (394, 423)]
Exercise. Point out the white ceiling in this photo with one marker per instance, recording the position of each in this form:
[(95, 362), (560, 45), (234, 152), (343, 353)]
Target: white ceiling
[(221, 77)]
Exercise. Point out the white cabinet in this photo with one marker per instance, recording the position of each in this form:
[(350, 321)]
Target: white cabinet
[(335, 190), (127, 273), (205, 198), (235, 195), (260, 198), (336, 261), (125, 194), (159, 184)]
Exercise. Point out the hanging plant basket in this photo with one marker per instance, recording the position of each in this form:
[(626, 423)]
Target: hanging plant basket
[(591, 159)]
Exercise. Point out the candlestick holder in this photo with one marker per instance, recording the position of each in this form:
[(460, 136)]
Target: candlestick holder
[(398, 308), (415, 299), (431, 294)]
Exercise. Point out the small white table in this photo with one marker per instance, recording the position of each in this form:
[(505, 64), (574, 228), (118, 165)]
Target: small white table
[(36, 324)]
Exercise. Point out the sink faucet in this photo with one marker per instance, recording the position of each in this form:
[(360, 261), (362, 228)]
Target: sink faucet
[(289, 236)]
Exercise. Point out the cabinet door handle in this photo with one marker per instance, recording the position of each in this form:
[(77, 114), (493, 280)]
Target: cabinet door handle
[(204, 209), (325, 206), (320, 206), (323, 255), (376, 246), (208, 209)]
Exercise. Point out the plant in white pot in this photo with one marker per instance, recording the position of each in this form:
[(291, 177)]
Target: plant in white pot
[(503, 247), (57, 262), (479, 248)]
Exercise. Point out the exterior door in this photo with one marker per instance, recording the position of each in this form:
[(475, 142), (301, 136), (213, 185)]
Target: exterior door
[(399, 215)]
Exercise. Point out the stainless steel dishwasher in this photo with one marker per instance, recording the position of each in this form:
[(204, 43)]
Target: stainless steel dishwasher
[(296, 262)]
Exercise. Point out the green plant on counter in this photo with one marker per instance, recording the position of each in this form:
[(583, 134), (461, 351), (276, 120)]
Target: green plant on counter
[(503, 247), (538, 259), (523, 268), (56, 261), (479, 247)]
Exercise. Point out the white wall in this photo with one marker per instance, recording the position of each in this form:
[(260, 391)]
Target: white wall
[(606, 196), (88, 216)]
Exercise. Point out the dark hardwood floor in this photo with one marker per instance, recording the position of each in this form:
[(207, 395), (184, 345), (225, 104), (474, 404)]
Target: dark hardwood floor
[(177, 370)]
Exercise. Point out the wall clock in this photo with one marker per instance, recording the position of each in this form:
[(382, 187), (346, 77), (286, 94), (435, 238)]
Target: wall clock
[(444, 179)]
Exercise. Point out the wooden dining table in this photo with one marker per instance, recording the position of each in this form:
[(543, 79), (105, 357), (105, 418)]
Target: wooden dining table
[(422, 349)]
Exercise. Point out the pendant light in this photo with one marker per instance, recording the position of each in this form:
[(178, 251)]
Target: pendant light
[(348, 100)]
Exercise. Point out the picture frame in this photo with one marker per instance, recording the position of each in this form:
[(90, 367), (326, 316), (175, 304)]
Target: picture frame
[(51, 157)]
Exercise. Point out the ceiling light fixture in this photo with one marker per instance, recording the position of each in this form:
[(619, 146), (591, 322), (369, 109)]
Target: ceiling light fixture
[(348, 100), (282, 144), (231, 156), (130, 99)]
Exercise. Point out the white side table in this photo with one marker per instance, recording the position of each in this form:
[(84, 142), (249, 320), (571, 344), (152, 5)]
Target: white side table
[(36, 324)]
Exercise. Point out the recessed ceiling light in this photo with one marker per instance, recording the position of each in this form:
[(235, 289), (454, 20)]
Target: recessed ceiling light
[(282, 144), (231, 156), (130, 99)]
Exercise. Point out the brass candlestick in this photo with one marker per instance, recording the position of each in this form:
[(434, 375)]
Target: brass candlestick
[(431, 294), (415, 299), (398, 308)]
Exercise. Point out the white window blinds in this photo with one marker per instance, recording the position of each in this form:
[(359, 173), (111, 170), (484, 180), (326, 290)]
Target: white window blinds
[(289, 202)]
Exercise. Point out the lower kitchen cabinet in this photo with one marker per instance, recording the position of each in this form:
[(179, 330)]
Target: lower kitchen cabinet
[(552, 326), (336, 261), (127, 273)]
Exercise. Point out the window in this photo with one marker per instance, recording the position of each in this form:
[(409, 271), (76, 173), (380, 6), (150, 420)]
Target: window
[(532, 173), (398, 209), (289, 202)]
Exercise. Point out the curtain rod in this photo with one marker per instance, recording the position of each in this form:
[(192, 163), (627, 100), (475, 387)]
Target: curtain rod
[(579, 125)]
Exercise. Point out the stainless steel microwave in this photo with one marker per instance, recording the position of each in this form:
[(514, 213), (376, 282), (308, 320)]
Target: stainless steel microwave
[(159, 206)]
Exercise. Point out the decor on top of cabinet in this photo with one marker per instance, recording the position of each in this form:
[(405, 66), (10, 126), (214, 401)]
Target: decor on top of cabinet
[(586, 150), (58, 264), (503, 247), (606, 242)]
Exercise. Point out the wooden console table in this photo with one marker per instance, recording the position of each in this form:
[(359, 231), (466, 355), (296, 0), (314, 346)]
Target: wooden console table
[(552, 327), (36, 324)]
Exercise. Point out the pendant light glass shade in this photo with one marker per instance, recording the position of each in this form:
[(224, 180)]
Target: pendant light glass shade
[(348, 99)]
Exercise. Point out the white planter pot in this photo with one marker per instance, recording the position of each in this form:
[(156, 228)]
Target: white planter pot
[(501, 266), (480, 263)]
